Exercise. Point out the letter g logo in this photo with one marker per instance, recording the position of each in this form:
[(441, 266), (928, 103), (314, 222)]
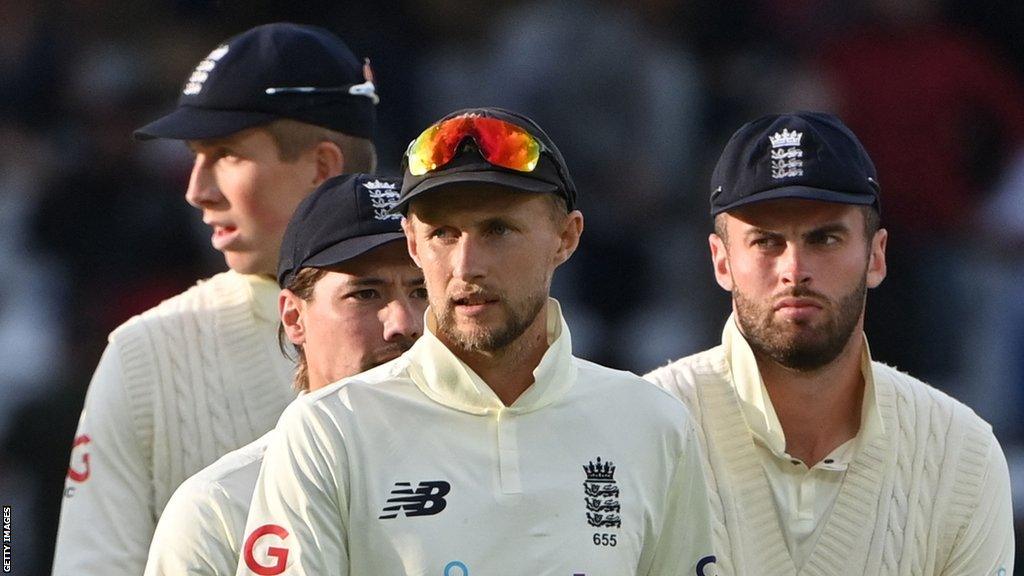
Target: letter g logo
[(279, 554), (81, 474), (706, 566)]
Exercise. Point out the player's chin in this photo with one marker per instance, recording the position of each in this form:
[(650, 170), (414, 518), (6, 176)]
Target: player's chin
[(248, 262)]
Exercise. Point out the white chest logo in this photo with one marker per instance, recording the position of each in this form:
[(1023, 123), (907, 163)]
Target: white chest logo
[(383, 196), (202, 71), (787, 157)]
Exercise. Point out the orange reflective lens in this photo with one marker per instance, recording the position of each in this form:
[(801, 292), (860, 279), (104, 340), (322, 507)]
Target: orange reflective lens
[(500, 143)]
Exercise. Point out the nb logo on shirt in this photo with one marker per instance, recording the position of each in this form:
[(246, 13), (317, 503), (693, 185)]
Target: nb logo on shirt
[(426, 500)]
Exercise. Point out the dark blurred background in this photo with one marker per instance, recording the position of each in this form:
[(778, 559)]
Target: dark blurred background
[(640, 96)]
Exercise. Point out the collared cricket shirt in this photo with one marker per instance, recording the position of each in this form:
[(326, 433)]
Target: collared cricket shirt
[(416, 467)]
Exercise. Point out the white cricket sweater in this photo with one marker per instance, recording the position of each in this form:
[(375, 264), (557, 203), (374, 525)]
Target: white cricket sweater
[(417, 468), (201, 528), (928, 495), (177, 387)]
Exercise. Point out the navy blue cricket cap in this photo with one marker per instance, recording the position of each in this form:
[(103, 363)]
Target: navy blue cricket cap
[(809, 155), (551, 175), (270, 72), (345, 217)]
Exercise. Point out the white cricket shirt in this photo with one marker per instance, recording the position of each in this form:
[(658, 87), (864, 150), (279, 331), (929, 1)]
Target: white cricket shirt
[(416, 467)]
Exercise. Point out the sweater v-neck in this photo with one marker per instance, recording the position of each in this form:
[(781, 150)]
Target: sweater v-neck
[(850, 524)]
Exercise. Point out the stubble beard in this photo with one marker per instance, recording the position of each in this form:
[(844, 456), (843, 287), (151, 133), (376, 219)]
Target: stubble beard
[(795, 344), (519, 316)]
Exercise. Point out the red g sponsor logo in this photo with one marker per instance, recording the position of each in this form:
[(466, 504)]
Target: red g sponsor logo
[(280, 555), (79, 471)]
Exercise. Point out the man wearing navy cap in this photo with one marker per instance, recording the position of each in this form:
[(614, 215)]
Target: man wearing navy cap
[(487, 448), (823, 461), (351, 299), (269, 114)]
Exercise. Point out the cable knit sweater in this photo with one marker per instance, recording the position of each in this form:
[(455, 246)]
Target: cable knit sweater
[(911, 503), (178, 386)]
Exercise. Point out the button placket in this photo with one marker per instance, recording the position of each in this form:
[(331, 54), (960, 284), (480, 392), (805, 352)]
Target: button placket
[(807, 493), (508, 453)]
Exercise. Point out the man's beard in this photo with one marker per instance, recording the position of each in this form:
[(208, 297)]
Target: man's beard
[(807, 349), (519, 316)]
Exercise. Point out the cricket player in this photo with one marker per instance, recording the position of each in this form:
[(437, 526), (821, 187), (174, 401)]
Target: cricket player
[(821, 461), (487, 448), (351, 299), (270, 114)]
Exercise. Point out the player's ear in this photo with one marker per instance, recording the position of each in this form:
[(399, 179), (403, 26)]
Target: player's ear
[(569, 237), (330, 161), (876, 259), (410, 241), (720, 261), (291, 309)]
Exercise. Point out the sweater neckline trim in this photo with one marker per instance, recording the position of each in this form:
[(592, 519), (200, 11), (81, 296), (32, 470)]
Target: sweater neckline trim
[(850, 523)]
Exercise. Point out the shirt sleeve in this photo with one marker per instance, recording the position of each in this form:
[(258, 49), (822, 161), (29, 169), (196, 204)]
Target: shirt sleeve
[(107, 518), (684, 545), (297, 522), (986, 545), (192, 536)]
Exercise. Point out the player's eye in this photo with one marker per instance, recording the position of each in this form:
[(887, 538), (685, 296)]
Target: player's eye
[(367, 294), (420, 293), (229, 155), (766, 242), (826, 239)]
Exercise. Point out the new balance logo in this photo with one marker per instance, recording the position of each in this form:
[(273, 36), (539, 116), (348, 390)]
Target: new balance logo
[(426, 500)]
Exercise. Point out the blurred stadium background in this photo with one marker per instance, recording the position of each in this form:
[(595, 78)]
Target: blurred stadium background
[(640, 96)]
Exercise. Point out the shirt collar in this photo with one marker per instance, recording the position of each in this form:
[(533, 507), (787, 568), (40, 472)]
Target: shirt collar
[(264, 293), (757, 405), (445, 379)]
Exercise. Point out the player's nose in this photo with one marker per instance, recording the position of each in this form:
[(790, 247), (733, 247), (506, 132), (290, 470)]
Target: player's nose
[(202, 186), (468, 259), (793, 266), (403, 320)]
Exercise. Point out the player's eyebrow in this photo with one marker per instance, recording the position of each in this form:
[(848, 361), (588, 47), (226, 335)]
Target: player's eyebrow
[(827, 229), (374, 281), (194, 145), (761, 232), (819, 231), (365, 281)]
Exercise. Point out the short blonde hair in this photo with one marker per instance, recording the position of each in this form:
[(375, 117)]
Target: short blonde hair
[(293, 138)]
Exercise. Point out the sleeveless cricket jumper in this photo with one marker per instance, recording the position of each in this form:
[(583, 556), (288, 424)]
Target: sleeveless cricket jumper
[(178, 386), (923, 489), (416, 467)]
